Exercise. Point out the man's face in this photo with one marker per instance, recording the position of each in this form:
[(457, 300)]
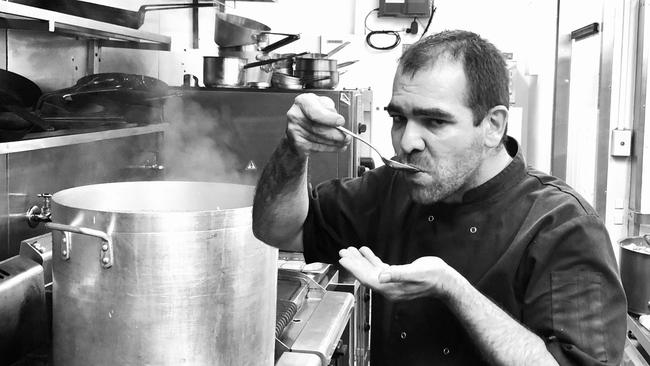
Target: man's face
[(433, 129)]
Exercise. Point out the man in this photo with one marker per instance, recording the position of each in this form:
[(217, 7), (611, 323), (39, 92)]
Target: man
[(476, 259)]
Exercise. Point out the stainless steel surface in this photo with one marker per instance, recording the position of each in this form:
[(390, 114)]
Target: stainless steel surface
[(105, 244), (223, 71), (81, 138), (610, 9), (51, 164), (635, 272), (285, 81), (318, 79), (4, 210), (357, 336), (190, 284), (235, 125), (298, 359), (639, 139), (69, 25), (233, 30), (337, 49), (389, 162), (39, 249), (568, 14), (326, 323), (22, 308), (639, 331)]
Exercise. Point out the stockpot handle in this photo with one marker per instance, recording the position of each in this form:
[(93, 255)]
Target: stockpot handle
[(106, 251)]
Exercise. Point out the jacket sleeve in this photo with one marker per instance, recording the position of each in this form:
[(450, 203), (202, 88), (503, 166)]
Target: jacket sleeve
[(574, 298)]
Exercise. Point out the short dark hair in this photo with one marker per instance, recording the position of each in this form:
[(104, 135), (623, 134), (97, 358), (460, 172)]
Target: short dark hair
[(484, 65)]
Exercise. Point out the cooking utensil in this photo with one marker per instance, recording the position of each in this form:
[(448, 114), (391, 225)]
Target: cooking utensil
[(160, 273), (635, 272), (129, 88), (12, 127), (108, 14), (318, 79), (315, 64), (390, 163), (337, 49), (285, 81), (24, 91), (345, 64), (223, 71), (233, 30), (271, 60), (18, 95), (329, 54), (107, 96)]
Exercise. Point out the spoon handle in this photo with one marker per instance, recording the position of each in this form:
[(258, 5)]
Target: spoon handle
[(348, 132)]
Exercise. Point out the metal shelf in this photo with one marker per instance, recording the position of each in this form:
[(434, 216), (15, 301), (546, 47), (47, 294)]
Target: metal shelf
[(19, 16), (79, 137)]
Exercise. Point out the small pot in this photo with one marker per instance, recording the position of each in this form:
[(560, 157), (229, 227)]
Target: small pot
[(223, 71), (318, 79), (285, 81), (635, 272), (315, 64)]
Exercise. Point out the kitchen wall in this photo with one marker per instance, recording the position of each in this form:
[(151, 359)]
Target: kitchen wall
[(524, 28)]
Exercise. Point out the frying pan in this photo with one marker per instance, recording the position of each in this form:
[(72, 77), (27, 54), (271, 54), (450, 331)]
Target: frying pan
[(108, 14), (129, 88), (17, 97)]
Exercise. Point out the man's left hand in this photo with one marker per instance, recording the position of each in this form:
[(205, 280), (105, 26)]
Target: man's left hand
[(426, 276)]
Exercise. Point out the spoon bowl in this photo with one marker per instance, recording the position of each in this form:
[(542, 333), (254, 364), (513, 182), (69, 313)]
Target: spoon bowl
[(389, 162)]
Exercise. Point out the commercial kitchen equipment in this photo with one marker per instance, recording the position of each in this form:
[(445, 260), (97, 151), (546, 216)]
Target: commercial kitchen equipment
[(314, 318), (162, 273), (246, 125)]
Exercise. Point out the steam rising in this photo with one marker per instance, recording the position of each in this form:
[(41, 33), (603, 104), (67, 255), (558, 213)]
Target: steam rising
[(201, 145)]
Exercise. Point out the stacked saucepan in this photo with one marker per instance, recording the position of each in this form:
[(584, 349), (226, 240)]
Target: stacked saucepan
[(311, 71), (241, 40), (245, 59)]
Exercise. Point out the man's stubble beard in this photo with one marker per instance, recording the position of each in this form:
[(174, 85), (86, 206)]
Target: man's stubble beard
[(450, 178)]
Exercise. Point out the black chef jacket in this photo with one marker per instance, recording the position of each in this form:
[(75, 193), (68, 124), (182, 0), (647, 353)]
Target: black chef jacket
[(524, 239)]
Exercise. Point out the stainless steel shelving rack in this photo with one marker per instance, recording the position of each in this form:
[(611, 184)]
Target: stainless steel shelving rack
[(19, 16)]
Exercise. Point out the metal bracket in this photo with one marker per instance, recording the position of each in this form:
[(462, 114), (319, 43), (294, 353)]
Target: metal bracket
[(66, 246)]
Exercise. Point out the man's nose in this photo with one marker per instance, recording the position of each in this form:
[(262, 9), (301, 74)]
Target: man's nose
[(412, 138)]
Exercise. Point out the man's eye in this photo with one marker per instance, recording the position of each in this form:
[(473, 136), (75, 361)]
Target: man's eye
[(435, 122), (398, 119)]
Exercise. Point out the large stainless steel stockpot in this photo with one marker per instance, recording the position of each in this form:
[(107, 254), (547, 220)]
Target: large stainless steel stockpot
[(160, 273)]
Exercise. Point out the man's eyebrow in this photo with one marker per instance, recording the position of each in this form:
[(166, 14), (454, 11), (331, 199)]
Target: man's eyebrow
[(434, 113), (426, 112)]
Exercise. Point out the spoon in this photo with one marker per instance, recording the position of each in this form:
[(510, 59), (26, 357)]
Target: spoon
[(390, 163)]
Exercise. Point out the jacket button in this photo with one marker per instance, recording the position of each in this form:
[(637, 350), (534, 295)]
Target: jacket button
[(403, 335), (446, 351), (431, 218), (472, 229)]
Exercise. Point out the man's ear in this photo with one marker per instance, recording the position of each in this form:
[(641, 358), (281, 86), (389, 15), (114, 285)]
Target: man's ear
[(494, 125)]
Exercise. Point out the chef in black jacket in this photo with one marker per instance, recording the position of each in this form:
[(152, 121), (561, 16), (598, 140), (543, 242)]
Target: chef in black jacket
[(477, 259)]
